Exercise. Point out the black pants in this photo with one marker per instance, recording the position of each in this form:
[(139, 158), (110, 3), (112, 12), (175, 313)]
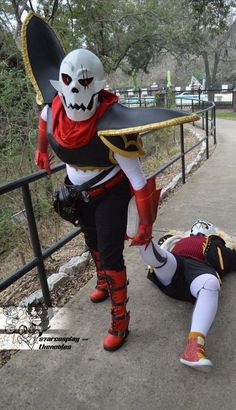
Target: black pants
[(103, 220)]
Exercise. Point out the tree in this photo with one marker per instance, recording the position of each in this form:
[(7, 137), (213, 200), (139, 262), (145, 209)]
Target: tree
[(212, 21), (11, 13), (114, 30), (122, 32), (195, 28), (131, 34)]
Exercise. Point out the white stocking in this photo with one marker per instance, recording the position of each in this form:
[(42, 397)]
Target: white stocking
[(163, 262), (206, 289)]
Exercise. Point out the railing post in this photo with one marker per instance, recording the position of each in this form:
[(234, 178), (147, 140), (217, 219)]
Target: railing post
[(234, 99), (214, 124), (36, 244), (182, 152), (207, 136), (193, 111), (139, 96), (203, 118)]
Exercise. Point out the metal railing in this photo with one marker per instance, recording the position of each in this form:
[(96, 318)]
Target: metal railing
[(222, 98), (208, 123), (39, 255)]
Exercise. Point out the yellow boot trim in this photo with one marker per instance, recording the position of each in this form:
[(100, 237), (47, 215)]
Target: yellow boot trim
[(196, 334), (201, 342)]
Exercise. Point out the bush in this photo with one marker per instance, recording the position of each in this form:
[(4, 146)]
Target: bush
[(18, 133), (18, 119)]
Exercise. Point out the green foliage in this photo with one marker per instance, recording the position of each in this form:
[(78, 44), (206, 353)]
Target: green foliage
[(159, 146), (114, 30), (211, 30), (6, 228), (131, 34), (170, 97), (134, 81), (16, 103), (226, 115), (18, 133), (160, 98), (212, 15)]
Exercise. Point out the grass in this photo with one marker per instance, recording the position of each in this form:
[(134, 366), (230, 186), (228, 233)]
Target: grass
[(226, 114)]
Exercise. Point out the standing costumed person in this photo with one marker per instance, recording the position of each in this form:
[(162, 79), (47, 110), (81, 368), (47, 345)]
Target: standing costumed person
[(98, 139)]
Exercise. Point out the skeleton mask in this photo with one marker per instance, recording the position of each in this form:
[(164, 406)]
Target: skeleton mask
[(81, 77)]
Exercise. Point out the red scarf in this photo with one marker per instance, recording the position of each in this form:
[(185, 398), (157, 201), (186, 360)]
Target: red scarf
[(75, 134)]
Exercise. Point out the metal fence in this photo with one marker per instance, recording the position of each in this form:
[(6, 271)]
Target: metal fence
[(222, 98), (208, 123)]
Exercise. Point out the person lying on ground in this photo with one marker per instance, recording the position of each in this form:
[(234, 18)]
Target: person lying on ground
[(191, 268)]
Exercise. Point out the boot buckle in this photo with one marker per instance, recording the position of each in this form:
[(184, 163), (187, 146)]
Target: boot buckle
[(121, 333), (85, 196), (114, 303)]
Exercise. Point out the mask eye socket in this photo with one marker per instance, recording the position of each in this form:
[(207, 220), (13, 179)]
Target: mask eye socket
[(85, 81), (66, 79)]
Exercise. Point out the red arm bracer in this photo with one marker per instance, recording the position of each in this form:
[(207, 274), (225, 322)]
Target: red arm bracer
[(41, 155)]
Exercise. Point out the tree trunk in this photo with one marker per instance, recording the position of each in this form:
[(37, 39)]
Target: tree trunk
[(207, 70)]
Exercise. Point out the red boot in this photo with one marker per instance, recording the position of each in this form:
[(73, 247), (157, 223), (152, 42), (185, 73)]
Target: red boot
[(118, 331), (100, 293)]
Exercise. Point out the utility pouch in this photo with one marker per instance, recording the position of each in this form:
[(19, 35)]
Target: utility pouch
[(65, 198), (64, 203)]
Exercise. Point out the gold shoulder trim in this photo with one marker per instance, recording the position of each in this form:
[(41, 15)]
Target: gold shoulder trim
[(220, 258), (25, 55), (88, 168), (205, 245), (150, 127), (111, 157), (219, 278), (120, 151)]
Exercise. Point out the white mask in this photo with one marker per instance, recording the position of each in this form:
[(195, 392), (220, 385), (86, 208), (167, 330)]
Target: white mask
[(81, 77), (203, 227)]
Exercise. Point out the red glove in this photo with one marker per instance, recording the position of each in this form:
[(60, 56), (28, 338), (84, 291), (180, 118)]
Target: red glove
[(42, 159), (147, 200)]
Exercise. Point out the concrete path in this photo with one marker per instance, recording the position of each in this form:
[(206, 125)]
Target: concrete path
[(145, 373)]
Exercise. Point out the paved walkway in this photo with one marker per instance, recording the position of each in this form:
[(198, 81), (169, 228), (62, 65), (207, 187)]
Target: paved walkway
[(145, 373)]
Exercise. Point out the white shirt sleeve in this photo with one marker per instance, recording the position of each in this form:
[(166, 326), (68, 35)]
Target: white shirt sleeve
[(44, 113), (132, 169)]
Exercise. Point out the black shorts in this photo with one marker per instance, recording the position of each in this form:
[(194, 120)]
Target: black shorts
[(193, 269), (187, 270)]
